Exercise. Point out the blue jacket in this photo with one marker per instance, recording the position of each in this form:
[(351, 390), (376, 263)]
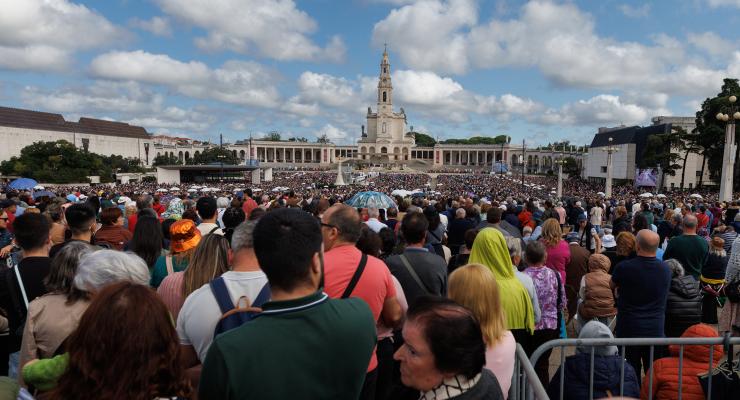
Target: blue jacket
[(607, 370)]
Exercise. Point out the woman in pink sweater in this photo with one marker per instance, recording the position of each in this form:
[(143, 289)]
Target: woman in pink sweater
[(558, 252), (474, 287)]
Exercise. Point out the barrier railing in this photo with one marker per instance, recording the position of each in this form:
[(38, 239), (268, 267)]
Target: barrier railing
[(622, 343), (524, 381)]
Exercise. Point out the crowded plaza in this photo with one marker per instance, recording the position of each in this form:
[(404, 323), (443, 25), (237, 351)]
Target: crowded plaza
[(399, 286)]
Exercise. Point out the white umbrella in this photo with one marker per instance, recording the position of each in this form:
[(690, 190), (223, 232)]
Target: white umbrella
[(38, 187), (601, 194), (696, 196), (646, 194), (400, 192), (256, 190), (192, 190), (162, 190), (553, 192), (661, 196), (175, 188), (205, 190)]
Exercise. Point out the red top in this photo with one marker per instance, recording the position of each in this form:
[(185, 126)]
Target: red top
[(375, 284)]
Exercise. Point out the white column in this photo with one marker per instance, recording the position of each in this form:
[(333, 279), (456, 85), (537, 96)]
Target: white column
[(608, 188), (560, 180), (728, 162), (256, 176), (268, 175)]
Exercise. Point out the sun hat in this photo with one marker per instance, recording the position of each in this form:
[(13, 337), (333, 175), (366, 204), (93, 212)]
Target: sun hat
[(184, 235)]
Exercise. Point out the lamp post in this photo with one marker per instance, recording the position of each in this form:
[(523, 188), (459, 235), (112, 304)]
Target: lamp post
[(609, 150), (728, 158), (560, 161), (524, 160)]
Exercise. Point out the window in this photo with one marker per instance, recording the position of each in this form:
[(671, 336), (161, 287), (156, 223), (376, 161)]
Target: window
[(383, 124), (385, 70), (603, 169), (698, 173), (673, 185), (691, 185), (384, 98)]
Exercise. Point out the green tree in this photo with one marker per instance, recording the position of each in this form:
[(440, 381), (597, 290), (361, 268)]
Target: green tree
[(663, 150), (298, 139), (323, 139), (57, 162), (424, 140), (214, 155), (166, 159), (709, 134), (570, 166), (500, 139)]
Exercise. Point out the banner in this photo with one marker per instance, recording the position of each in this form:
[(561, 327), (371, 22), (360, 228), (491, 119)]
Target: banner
[(646, 177)]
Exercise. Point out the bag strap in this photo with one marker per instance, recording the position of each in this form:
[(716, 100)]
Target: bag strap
[(221, 293), (263, 296), (560, 293), (20, 284), (215, 228), (168, 263), (355, 277), (413, 274)]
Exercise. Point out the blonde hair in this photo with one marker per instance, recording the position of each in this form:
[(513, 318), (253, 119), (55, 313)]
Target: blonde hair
[(551, 232), (474, 287), (626, 243)]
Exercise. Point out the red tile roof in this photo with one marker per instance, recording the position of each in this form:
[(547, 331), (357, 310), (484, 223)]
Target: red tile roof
[(28, 119)]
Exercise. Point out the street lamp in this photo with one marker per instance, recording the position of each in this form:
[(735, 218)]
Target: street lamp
[(609, 150), (560, 161), (728, 158)]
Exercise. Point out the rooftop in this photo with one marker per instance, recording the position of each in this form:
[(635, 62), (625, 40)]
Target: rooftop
[(28, 119)]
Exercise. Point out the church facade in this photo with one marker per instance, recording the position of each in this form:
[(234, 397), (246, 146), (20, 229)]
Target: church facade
[(386, 139)]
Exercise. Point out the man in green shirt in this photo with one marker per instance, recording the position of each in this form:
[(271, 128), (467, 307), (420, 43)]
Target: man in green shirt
[(690, 249), (303, 344)]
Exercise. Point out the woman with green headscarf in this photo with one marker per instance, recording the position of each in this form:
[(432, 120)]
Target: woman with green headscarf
[(489, 249)]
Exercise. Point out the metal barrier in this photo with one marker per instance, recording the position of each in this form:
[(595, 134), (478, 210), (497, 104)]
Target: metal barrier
[(622, 343), (524, 381)]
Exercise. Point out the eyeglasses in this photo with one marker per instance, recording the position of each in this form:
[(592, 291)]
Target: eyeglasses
[(330, 226)]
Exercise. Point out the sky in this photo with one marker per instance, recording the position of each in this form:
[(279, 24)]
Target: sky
[(539, 71)]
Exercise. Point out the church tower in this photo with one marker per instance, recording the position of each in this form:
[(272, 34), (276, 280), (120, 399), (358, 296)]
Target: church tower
[(385, 88)]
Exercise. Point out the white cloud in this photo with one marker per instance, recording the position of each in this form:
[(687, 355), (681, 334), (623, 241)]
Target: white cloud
[(600, 110), (332, 133), (272, 28), (723, 3), (43, 35), (558, 39), (641, 11), (711, 43), (128, 101), (157, 25), (236, 82), (428, 34)]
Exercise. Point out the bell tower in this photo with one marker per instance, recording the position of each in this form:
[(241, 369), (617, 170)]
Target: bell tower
[(385, 88)]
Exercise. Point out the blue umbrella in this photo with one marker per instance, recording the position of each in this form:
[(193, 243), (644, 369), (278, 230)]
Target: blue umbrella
[(23, 184), (371, 199), (42, 193)]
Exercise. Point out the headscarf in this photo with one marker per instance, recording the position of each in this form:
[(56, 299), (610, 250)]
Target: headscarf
[(174, 209), (489, 249)]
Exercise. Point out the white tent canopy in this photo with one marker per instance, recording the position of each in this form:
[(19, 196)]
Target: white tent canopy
[(696, 196), (646, 194)]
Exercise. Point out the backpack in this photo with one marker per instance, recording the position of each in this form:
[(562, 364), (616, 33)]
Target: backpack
[(235, 316)]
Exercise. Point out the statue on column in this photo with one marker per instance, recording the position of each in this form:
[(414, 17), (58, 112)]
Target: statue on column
[(364, 134)]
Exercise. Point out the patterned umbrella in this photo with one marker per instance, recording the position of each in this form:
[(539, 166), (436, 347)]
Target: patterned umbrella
[(371, 199)]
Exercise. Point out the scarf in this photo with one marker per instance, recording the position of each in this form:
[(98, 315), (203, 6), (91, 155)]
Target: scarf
[(489, 249), (451, 387)]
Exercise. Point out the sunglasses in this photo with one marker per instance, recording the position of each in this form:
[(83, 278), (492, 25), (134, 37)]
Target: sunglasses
[(330, 226)]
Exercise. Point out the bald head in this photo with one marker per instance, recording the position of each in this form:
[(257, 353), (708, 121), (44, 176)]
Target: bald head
[(689, 223), (346, 220), (647, 243)]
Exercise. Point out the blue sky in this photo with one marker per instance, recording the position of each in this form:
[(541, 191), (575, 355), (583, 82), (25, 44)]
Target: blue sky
[(536, 70)]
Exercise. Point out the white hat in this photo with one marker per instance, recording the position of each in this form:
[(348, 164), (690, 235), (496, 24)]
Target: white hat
[(608, 241)]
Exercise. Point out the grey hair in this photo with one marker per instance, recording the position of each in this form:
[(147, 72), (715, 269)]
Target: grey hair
[(690, 221), (675, 266), (515, 246), (243, 238), (460, 213), (677, 218), (104, 267), (64, 266), (222, 202), (373, 212), (144, 201)]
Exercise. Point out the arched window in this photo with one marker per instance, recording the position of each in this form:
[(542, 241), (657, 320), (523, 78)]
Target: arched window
[(385, 70), (383, 127), (384, 97)]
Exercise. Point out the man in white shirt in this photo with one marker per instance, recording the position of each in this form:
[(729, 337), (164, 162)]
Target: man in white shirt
[(208, 212), (373, 222), (200, 312)]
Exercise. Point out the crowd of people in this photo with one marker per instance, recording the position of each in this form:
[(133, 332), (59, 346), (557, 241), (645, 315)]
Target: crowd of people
[(144, 291)]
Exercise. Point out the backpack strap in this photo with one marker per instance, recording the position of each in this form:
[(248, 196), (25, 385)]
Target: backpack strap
[(221, 293), (413, 274), (20, 284), (215, 228), (168, 263), (355, 277), (263, 296)]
